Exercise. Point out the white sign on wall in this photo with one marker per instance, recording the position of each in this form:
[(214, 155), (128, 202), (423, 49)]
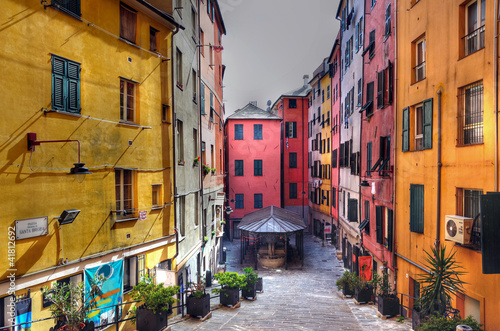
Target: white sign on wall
[(32, 227)]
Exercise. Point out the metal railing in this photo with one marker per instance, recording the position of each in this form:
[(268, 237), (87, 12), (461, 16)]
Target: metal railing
[(474, 41), (419, 71)]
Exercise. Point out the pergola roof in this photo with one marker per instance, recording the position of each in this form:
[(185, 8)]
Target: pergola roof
[(272, 220)]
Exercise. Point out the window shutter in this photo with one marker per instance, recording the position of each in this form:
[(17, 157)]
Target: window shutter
[(352, 210), (406, 130), (427, 122), (73, 88), (294, 129), (368, 158), (417, 208), (287, 129), (356, 34), (341, 156), (390, 230), (202, 97), (380, 89), (58, 82), (379, 227), (391, 87)]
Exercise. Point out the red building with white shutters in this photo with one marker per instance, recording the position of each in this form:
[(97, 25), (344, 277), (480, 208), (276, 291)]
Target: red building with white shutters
[(293, 108), (253, 147)]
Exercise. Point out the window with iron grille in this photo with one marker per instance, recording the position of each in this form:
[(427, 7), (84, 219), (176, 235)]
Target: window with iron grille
[(474, 26), (239, 198), (468, 206), (470, 116)]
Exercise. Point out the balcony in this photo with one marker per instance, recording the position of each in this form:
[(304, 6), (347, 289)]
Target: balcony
[(473, 41)]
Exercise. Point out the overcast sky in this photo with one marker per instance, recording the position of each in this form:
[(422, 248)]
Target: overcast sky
[(271, 44)]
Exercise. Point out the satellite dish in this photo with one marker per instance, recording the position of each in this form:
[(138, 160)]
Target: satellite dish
[(269, 102)]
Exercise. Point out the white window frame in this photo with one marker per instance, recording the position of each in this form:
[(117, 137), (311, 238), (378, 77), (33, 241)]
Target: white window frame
[(123, 98), (419, 137), (420, 66), (129, 213)]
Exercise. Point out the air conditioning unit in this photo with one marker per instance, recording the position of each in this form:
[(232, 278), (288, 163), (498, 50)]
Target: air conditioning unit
[(458, 229)]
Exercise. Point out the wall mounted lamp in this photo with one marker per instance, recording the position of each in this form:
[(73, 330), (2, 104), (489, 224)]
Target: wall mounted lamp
[(79, 167), (68, 216)]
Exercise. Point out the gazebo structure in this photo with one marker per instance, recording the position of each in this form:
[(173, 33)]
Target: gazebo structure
[(266, 235)]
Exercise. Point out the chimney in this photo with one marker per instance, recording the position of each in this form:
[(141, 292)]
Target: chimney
[(253, 103), (306, 79)]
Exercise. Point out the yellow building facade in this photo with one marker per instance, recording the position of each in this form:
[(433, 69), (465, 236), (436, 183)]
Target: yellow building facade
[(88, 82), (445, 150), (326, 144)]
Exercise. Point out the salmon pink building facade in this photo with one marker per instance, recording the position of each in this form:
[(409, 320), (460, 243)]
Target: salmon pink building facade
[(253, 149)]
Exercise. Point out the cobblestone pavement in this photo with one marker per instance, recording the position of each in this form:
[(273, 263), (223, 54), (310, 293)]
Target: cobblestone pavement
[(304, 299)]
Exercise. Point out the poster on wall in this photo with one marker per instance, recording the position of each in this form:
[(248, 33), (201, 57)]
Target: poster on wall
[(365, 267), (23, 314), (112, 291)]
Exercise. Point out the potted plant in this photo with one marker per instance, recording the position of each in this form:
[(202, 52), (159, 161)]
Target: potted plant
[(214, 170), (157, 304), (387, 301), (70, 312), (230, 283), (206, 169), (198, 302), (346, 283), (439, 285), (250, 289), (363, 290), (196, 161)]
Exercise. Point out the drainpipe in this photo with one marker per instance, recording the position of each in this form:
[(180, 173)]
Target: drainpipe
[(303, 153), (200, 140), (439, 166), (495, 88), (395, 148), (173, 141)]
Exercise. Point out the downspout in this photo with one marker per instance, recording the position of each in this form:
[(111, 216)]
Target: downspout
[(303, 166), (395, 147), (200, 140), (495, 88), (439, 166), (173, 141)]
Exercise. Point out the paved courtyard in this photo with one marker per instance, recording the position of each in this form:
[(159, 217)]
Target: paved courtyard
[(304, 299)]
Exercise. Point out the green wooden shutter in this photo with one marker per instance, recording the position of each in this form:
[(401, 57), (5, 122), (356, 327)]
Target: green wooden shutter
[(406, 130), (427, 124), (352, 210), (287, 129), (379, 229), (368, 158), (73, 104), (58, 83), (390, 229), (417, 208), (294, 129), (490, 227), (202, 98)]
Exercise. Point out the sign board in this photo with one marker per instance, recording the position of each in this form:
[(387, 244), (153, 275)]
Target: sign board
[(32, 227), (143, 215), (328, 228)]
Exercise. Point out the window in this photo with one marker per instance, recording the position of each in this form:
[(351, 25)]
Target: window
[(373, 3), (419, 68), (368, 107), (417, 208), (334, 158), (212, 156), (212, 109), (202, 98), (419, 131), (153, 39), (418, 120), (470, 116), (292, 103), (134, 268), (239, 201), (352, 210), (257, 167), (360, 34), (181, 214), (291, 130), (368, 159), (388, 20), (203, 153), (382, 164), (468, 206), (124, 189), (193, 82), (194, 22), (379, 229), (180, 142), (238, 167), (257, 131), (257, 200), (293, 190), (380, 89), (367, 217), (71, 7), (292, 160), (328, 92), (65, 85), (128, 22), (127, 100), (179, 69), (323, 95), (371, 45), (474, 26), (360, 92), (238, 132), (334, 197), (202, 42), (156, 195)]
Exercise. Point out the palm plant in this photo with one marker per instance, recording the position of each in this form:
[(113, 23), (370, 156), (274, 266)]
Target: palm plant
[(441, 283)]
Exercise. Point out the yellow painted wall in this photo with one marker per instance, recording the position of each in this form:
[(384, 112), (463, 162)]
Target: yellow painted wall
[(326, 159), (36, 184), (469, 167)]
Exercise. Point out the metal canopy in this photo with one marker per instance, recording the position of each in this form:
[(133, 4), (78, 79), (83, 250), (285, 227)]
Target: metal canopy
[(272, 220)]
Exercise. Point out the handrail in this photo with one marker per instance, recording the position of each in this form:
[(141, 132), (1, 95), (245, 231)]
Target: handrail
[(474, 32)]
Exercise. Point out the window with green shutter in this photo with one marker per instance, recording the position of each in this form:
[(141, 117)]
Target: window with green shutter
[(427, 124), (65, 85), (379, 229), (417, 208), (352, 210), (202, 98), (406, 130)]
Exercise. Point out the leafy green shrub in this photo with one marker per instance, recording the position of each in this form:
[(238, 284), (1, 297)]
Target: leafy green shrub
[(251, 277), (155, 297), (197, 289), (348, 279), (441, 323), (229, 280)]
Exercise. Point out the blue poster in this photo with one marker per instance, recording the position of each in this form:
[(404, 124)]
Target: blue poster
[(23, 314), (112, 291)]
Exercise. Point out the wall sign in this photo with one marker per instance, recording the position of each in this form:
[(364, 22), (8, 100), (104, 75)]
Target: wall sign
[(32, 227)]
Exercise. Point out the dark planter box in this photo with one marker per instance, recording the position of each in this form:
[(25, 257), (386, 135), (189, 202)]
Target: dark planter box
[(198, 306), (363, 295), (388, 305), (249, 292), (229, 296), (260, 284), (89, 326), (347, 291), (147, 321)]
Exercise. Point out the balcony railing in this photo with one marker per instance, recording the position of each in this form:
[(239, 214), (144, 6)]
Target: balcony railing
[(474, 41), (419, 71)]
